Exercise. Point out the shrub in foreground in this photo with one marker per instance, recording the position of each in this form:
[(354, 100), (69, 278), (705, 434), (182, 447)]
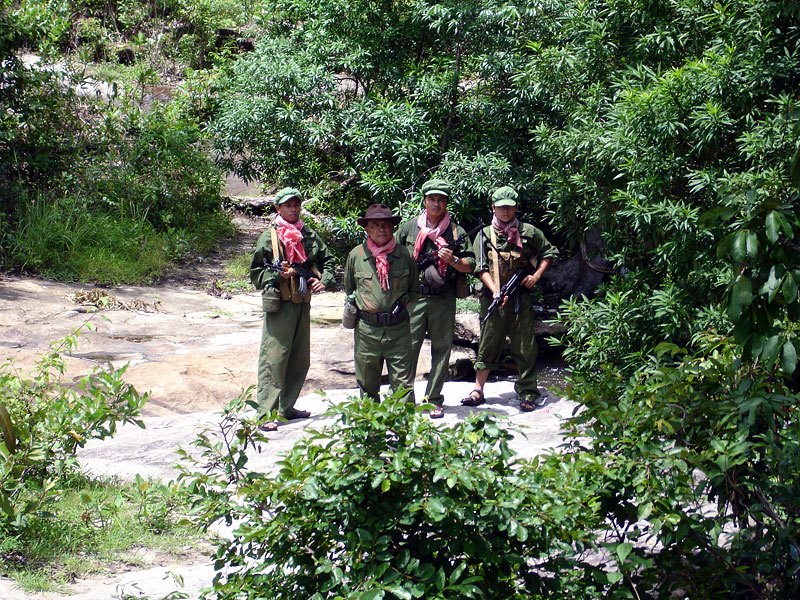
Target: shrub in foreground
[(383, 503)]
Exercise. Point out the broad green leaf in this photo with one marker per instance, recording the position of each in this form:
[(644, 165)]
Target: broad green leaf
[(614, 576), (789, 288), (372, 595), (795, 168), (751, 242), (773, 227), (788, 358), (623, 550), (399, 592), (644, 511), (770, 351), (435, 509), (739, 247)]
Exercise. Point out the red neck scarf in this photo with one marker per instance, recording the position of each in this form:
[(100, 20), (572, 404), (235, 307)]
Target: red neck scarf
[(434, 234), (291, 236), (381, 263), (510, 230)]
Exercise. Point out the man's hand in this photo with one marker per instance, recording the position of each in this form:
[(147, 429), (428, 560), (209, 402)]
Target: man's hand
[(316, 285), (287, 270), (531, 280), (446, 254)]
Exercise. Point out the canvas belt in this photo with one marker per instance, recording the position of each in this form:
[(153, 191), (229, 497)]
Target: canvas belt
[(383, 318), (427, 290)]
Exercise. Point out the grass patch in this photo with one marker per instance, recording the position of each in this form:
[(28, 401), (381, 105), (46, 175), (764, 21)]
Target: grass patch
[(468, 305), (237, 275), (95, 527)]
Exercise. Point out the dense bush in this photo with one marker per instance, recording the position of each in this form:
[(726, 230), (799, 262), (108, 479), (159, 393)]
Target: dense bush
[(385, 504)]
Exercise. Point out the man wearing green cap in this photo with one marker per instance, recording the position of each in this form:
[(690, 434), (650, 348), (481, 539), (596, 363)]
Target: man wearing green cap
[(286, 247), (502, 248), (434, 311), (381, 277)]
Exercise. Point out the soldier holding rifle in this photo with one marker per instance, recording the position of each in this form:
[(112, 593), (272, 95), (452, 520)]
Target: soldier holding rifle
[(507, 248), (442, 250), (290, 262)]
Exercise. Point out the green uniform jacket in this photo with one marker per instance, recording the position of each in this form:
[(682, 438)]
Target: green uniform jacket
[(407, 233), (534, 244), (361, 279), (317, 253)]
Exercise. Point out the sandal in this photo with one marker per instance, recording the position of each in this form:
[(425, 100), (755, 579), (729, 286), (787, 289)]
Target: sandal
[(296, 414), (437, 412), (529, 403), (269, 426), (472, 399)]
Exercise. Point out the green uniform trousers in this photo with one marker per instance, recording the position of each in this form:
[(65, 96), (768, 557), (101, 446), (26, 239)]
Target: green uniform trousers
[(374, 344), (284, 356), (436, 316), (520, 331)]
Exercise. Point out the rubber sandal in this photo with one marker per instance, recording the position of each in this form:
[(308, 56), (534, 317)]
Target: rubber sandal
[(437, 413), (526, 405), (471, 400), (296, 414), (269, 426)]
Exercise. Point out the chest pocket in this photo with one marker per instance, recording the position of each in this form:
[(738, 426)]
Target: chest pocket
[(399, 275)]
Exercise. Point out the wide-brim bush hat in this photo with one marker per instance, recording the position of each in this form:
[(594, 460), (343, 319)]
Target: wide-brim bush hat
[(436, 186), (378, 212), (286, 194), (504, 196)]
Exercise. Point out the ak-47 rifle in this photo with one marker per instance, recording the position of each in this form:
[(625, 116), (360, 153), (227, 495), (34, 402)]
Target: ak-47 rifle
[(303, 274), (431, 258), (508, 289)]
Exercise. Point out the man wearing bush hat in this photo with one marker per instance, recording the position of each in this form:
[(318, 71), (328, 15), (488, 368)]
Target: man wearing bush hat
[(434, 311), (285, 352), (502, 248), (381, 277)]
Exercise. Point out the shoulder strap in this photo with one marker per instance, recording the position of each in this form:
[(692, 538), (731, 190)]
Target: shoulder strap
[(276, 254), (496, 262)]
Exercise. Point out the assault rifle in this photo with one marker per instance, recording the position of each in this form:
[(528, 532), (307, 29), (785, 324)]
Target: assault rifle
[(509, 289), (303, 274), (432, 258)]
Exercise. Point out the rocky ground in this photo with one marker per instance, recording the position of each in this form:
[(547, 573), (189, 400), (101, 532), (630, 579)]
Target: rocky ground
[(194, 351)]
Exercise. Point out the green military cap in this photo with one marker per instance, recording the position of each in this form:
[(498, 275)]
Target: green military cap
[(287, 194), (504, 196), (436, 186)]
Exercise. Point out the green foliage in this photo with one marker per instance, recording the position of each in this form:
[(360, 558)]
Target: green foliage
[(51, 420), (385, 504), (95, 524), (373, 99), (701, 458)]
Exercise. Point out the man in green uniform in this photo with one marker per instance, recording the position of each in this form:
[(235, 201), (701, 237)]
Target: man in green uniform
[(381, 276), (434, 311), (286, 247), (502, 248)]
